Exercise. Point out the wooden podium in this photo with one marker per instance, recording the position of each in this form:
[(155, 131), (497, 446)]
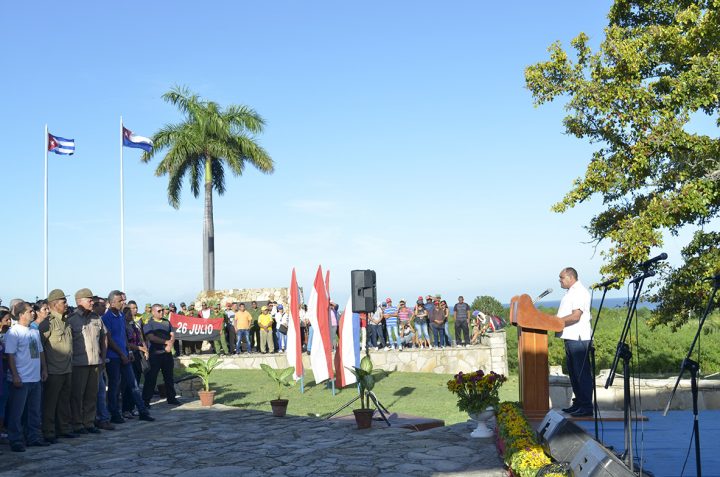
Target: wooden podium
[(532, 326)]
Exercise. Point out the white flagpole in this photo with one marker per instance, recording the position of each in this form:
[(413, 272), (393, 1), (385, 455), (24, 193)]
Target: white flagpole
[(122, 215), (45, 265)]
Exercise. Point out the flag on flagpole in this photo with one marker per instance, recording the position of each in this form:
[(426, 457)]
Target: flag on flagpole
[(133, 140), (60, 145), (327, 282), (294, 345), (321, 355), (347, 354)]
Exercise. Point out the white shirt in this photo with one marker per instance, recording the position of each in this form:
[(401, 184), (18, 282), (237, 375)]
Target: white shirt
[(576, 298), (24, 342)]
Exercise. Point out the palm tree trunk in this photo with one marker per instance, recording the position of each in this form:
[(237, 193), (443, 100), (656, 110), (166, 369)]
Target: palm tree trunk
[(208, 232)]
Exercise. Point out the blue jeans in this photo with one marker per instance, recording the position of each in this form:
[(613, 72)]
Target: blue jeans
[(376, 335), (390, 329), (101, 409), (438, 335), (310, 336), (281, 339), (240, 335), (578, 365), (447, 335), (27, 397), (119, 374), (421, 330)]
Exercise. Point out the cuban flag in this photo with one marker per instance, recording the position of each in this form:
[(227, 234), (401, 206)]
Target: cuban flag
[(348, 350), (132, 140), (60, 145), (318, 306)]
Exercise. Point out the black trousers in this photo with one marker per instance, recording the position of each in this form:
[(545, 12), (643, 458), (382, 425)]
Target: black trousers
[(231, 337), (461, 327), (159, 362)]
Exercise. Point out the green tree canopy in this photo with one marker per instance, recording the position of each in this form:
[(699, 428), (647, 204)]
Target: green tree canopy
[(200, 147), (655, 73)]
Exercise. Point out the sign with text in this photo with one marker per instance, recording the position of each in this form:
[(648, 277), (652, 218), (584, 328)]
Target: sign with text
[(193, 328)]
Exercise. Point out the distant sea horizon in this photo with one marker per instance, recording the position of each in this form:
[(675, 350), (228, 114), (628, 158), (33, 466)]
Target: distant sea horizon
[(608, 303)]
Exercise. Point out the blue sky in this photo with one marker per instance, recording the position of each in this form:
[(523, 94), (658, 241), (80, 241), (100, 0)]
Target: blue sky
[(403, 136)]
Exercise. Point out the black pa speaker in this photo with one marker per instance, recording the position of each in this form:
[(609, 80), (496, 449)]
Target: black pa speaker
[(565, 441), (364, 291)]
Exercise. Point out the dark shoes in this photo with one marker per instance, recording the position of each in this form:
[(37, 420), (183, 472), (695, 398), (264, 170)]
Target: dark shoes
[(571, 409), (117, 420), (69, 435), (17, 447), (582, 413), (146, 417), (105, 425), (93, 430), (51, 440), (174, 402)]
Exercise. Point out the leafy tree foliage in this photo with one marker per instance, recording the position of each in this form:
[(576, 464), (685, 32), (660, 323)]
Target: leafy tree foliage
[(200, 147), (488, 305), (657, 70)]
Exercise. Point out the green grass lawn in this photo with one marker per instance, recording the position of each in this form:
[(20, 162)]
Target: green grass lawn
[(419, 394)]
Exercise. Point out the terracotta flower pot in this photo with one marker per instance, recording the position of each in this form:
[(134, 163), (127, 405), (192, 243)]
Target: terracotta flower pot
[(207, 398), (279, 407), (363, 418)]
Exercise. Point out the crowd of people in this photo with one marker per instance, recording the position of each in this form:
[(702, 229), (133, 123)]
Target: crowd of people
[(263, 328), (73, 371), (76, 371)]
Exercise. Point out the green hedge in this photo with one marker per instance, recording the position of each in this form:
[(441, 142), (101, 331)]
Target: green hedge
[(659, 353)]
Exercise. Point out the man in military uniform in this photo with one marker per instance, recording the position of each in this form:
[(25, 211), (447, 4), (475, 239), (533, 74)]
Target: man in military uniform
[(89, 349), (57, 342)]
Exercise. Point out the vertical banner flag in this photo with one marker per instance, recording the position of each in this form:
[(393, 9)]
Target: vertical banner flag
[(60, 145), (327, 282), (132, 140), (294, 344), (347, 354), (321, 356)]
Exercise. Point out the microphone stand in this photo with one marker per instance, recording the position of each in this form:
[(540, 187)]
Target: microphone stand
[(623, 352), (693, 367), (591, 350)]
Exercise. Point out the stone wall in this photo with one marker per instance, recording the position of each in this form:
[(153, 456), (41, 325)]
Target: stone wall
[(490, 355), (654, 393), (246, 295)]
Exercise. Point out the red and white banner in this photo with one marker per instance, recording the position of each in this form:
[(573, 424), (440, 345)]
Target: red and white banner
[(294, 344), (321, 349), (193, 328), (348, 352)]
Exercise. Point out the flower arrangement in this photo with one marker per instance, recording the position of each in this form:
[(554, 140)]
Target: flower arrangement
[(476, 391), (521, 451)]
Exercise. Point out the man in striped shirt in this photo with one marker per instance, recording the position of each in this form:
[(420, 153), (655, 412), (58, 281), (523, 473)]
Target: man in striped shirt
[(390, 313)]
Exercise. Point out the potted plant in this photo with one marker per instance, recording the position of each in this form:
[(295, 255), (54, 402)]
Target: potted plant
[(366, 383), (203, 369), (281, 377), (478, 396)]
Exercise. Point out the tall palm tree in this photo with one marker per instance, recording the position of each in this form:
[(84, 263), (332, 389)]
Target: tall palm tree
[(207, 140)]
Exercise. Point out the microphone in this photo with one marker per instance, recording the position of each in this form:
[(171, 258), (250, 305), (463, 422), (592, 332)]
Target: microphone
[(606, 283), (543, 295), (643, 276), (647, 263)]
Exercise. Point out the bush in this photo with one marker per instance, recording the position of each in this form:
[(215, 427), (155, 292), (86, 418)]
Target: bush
[(489, 306)]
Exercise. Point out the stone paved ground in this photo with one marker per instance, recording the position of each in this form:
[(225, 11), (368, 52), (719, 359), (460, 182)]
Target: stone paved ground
[(191, 441)]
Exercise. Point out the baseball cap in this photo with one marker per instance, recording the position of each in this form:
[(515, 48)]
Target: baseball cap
[(429, 297), (264, 308), (420, 297), (56, 294), (388, 300), (182, 303), (83, 293), (279, 307)]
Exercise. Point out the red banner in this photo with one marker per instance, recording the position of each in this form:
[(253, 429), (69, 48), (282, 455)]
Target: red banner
[(193, 328)]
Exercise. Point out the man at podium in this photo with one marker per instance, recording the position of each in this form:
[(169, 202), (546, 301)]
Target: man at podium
[(575, 312)]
